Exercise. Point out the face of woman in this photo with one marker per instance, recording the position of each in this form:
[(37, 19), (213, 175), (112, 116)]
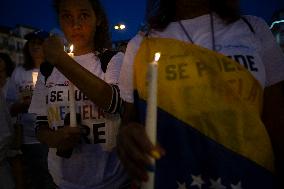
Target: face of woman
[(35, 49), (202, 6), (78, 22), (233, 4), (186, 9), (3, 75)]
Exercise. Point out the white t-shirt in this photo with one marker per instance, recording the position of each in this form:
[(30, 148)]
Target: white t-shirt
[(92, 165), (258, 51), (21, 86)]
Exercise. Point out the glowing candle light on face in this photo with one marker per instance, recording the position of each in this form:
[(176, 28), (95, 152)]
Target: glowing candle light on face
[(151, 119), (72, 104)]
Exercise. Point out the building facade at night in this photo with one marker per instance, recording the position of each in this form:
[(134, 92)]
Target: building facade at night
[(12, 41)]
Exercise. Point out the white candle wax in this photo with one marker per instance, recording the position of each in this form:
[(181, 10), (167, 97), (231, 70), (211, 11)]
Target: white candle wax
[(151, 115), (34, 76), (72, 104)]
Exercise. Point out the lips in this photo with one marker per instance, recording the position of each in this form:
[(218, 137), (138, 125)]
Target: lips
[(76, 36)]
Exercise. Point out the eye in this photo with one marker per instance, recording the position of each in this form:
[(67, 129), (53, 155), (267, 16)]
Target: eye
[(84, 16), (66, 16)]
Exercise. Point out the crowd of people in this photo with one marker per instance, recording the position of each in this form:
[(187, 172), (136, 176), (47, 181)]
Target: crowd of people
[(219, 114)]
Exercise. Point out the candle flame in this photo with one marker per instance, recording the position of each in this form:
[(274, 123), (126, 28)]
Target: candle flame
[(157, 56), (71, 48)]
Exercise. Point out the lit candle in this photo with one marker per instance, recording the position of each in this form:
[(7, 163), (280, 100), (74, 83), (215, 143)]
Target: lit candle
[(151, 119), (34, 76), (72, 104)]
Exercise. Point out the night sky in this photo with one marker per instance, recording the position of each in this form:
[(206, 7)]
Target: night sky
[(40, 14)]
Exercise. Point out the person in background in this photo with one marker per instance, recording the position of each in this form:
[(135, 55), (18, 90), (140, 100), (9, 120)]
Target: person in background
[(7, 66), (19, 95), (213, 133), (6, 129)]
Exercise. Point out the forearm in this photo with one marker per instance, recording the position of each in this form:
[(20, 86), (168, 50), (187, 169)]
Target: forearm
[(93, 87)]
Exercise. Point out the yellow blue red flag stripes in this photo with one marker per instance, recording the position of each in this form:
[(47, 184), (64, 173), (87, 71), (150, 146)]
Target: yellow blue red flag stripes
[(209, 118)]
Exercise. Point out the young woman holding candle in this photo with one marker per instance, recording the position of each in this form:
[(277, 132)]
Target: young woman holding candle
[(19, 94), (209, 125), (93, 162)]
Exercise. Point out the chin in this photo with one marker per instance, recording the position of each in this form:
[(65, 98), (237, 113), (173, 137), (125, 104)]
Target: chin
[(77, 46)]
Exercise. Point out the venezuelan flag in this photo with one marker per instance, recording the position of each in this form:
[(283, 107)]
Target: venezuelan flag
[(209, 118)]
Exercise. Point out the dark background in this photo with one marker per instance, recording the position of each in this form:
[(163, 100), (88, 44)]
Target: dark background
[(40, 14)]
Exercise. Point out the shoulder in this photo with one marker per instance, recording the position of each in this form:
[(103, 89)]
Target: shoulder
[(133, 46), (136, 40), (257, 23), (114, 61), (262, 30), (17, 71), (118, 57), (253, 19)]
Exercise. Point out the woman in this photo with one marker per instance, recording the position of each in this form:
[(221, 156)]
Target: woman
[(7, 68), (19, 94), (92, 162), (6, 129), (208, 142)]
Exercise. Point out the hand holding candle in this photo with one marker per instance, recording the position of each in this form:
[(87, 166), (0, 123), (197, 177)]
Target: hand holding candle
[(151, 119), (72, 104)]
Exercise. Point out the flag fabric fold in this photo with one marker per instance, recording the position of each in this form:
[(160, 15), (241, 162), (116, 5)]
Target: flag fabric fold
[(209, 118)]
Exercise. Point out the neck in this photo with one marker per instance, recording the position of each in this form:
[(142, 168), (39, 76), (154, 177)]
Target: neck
[(80, 49), (191, 10), (38, 62), (82, 52)]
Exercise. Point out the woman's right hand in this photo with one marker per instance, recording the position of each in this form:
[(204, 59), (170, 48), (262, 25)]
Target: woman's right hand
[(53, 49), (135, 150), (67, 137)]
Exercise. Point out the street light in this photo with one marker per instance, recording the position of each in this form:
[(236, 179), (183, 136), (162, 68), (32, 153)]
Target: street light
[(120, 27)]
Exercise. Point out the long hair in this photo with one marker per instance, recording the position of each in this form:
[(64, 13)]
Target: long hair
[(165, 13), (9, 64), (29, 63), (102, 37)]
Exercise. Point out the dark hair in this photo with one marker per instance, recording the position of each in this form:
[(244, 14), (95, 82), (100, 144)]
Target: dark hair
[(28, 60), (102, 38), (165, 13), (9, 64)]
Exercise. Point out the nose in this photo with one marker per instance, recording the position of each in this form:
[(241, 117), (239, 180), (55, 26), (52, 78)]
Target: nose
[(77, 23)]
